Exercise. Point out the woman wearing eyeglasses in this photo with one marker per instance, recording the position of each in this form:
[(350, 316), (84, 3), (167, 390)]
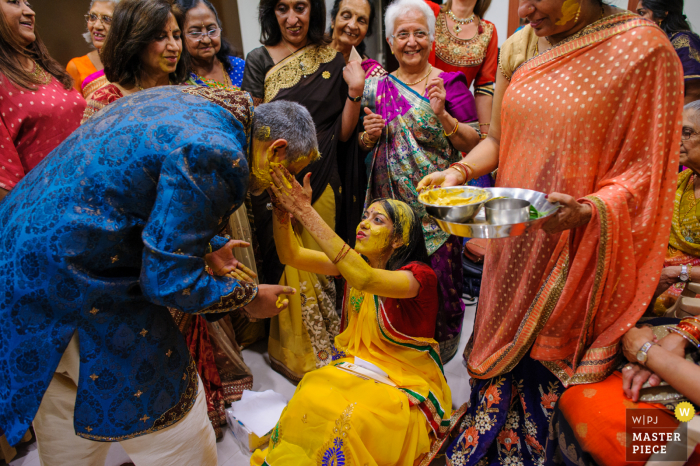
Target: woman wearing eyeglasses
[(212, 60), (418, 120), (38, 106), (143, 50), (87, 71)]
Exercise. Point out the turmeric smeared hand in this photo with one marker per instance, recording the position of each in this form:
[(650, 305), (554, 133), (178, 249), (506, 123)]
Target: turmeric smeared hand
[(288, 192)]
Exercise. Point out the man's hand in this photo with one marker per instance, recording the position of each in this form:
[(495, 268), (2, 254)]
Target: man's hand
[(222, 262), (269, 302)]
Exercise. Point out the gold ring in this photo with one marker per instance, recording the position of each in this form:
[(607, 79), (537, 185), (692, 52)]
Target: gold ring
[(629, 366)]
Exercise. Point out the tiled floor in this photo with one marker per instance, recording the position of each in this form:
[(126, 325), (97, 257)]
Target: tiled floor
[(264, 378)]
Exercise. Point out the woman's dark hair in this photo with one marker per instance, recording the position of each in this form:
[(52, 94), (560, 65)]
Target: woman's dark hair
[(226, 49), (479, 9), (11, 49), (672, 22), (372, 13), (270, 33), (414, 250), (135, 24)]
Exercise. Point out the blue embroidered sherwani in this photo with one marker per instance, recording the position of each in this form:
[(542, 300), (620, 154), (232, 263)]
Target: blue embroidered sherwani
[(105, 234)]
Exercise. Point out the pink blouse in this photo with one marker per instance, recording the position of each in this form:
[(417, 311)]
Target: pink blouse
[(32, 124)]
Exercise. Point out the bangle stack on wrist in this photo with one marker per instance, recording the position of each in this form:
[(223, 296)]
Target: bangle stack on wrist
[(688, 329), (367, 142), (464, 168), (343, 252)]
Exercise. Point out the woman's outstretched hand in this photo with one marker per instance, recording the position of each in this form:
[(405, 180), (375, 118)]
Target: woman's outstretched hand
[(571, 214), (444, 179), (287, 193)]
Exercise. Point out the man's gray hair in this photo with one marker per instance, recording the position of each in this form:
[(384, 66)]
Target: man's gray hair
[(289, 121), (400, 8), (86, 34)]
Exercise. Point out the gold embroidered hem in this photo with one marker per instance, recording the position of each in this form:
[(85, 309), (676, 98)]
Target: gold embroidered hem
[(288, 72), (168, 418), (238, 103), (461, 52), (534, 320), (243, 294), (595, 366)]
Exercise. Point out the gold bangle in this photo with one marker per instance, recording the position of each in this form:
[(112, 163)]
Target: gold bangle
[(342, 249), (364, 141), (453, 131), (460, 168)]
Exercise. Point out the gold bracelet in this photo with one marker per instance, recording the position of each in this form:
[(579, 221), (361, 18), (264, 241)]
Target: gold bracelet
[(369, 144), (453, 131), (342, 250)]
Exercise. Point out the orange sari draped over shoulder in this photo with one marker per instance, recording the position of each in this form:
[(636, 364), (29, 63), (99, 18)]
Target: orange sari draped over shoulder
[(597, 117)]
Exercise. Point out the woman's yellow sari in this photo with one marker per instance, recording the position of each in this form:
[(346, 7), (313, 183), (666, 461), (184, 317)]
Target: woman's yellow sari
[(684, 243), (339, 418)]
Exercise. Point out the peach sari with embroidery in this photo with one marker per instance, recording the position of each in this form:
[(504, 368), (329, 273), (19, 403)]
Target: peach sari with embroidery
[(597, 117)]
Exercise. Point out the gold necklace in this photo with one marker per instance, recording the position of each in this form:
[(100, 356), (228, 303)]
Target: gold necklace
[(39, 74), (459, 21), (420, 80), (302, 67)]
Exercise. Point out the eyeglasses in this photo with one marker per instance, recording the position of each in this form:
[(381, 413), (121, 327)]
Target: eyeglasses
[(403, 36), (687, 133), (92, 18), (199, 36)]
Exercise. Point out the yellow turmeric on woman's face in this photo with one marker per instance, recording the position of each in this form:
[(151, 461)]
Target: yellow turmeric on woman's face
[(568, 11), (375, 232)]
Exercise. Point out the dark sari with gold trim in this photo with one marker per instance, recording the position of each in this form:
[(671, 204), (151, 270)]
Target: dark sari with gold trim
[(301, 336)]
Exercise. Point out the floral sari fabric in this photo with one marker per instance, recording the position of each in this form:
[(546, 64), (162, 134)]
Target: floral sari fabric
[(508, 418), (576, 121)]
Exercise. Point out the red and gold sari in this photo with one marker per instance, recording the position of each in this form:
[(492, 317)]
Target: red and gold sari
[(597, 117)]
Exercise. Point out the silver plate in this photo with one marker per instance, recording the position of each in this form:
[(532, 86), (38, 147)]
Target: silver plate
[(479, 228)]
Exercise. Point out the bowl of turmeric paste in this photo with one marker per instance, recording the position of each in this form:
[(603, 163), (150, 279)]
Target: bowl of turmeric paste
[(458, 204)]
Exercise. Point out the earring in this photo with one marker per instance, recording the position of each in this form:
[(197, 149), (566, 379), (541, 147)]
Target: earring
[(578, 13)]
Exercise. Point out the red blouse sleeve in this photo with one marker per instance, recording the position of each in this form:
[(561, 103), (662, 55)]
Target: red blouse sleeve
[(486, 76), (416, 317)]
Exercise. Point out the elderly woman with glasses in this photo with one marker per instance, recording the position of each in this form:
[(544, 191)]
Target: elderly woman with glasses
[(417, 121), (211, 55), (88, 71)]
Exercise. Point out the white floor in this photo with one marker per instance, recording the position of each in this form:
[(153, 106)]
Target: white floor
[(264, 378)]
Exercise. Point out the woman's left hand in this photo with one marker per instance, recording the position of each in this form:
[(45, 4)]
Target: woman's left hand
[(437, 95), (571, 214), (288, 193), (354, 76)]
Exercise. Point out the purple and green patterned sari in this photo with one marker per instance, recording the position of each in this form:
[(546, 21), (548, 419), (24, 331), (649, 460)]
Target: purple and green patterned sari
[(413, 145)]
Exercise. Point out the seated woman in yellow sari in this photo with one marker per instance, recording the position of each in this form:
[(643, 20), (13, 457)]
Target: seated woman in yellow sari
[(683, 254), (397, 410)]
